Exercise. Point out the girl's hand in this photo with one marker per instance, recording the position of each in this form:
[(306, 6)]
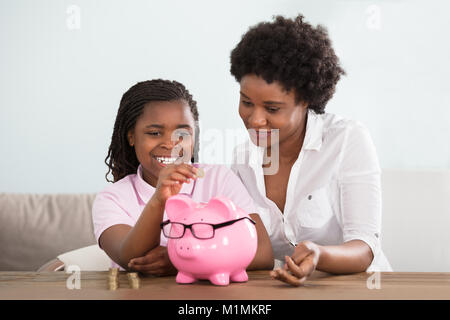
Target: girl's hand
[(300, 266), (155, 262), (171, 179)]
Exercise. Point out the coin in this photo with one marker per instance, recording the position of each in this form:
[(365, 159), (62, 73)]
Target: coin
[(113, 282), (200, 173), (113, 271), (113, 278), (133, 279), (113, 286), (134, 283)]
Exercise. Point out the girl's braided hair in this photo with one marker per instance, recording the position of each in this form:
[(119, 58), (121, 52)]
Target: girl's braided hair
[(121, 159)]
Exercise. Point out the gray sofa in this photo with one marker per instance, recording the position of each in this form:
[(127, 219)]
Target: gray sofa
[(36, 228)]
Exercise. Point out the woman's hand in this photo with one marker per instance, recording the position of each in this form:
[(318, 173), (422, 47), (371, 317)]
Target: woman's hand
[(300, 266), (155, 262), (171, 179)]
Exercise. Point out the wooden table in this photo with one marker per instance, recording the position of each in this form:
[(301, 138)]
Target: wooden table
[(323, 286)]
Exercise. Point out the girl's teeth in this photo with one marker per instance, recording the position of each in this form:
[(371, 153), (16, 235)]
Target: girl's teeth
[(166, 160)]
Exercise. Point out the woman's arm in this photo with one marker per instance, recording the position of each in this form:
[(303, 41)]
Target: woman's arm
[(350, 257), (264, 254)]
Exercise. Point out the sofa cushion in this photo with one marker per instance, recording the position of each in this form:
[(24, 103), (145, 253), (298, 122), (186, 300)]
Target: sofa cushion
[(35, 228)]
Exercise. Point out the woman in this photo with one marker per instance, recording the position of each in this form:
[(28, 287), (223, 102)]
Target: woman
[(314, 176)]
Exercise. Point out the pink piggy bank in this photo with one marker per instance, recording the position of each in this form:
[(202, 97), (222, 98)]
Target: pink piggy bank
[(214, 241)]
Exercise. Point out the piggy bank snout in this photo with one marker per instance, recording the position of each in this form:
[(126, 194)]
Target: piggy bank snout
[(185, 248)]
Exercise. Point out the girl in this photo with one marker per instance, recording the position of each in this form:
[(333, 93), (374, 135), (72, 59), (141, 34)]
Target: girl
[(322, 204), (154, 134)]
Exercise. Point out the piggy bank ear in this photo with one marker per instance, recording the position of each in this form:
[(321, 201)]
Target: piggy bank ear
[(225, 207), (177, 206)]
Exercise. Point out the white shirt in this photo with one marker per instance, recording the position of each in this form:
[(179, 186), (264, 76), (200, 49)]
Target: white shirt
[(334, 189)]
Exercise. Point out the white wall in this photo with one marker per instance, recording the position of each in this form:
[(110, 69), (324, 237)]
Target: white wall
[(61, 82), (416, 219)]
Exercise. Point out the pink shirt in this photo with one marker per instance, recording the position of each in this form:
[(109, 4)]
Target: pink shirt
[(123, 201)]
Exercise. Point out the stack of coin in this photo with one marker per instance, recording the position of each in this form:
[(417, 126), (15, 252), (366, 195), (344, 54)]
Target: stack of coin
[(133, 279), (113, 278)]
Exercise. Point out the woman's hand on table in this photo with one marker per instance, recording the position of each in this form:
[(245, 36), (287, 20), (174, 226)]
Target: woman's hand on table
[(155, 262), (300, 266)]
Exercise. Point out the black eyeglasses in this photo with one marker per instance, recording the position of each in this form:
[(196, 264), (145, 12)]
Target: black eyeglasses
[(200, 230)]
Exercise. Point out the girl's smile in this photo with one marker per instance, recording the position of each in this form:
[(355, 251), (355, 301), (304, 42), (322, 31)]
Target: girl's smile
[(164, 161)]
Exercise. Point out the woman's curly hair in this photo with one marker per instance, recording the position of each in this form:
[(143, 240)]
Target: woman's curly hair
[(295, 54), (121, 159)]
